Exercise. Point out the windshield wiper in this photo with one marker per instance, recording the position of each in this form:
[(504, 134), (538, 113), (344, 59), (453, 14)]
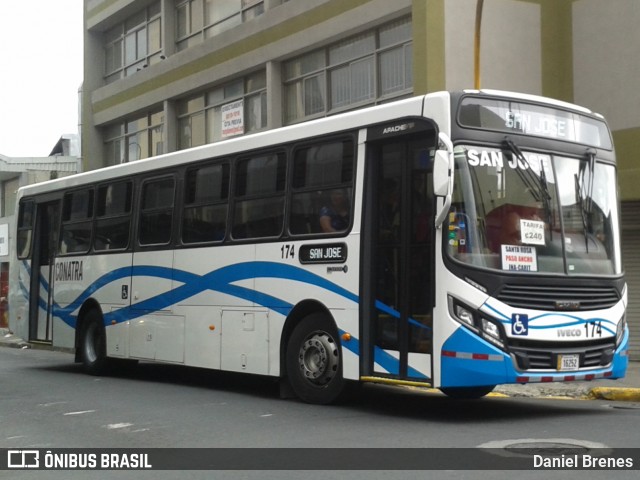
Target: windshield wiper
[(585, 199), (537, 185)]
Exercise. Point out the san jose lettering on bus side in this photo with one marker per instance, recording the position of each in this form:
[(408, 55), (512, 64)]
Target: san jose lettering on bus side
[(324, 253), (69, 271)]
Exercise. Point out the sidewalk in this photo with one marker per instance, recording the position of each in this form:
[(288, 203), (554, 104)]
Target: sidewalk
[(625, 389), (9, 340)]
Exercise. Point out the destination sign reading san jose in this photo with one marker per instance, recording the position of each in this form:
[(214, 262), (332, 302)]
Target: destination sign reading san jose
[(536, 120)]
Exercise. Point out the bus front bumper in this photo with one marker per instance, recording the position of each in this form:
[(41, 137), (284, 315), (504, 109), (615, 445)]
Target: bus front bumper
[(468, 361)]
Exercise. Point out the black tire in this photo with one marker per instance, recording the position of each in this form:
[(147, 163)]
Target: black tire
[(467, 393), (93, 344), (314, 361)]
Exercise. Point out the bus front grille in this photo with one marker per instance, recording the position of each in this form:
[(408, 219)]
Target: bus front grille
[(544, 356), (570, 298)]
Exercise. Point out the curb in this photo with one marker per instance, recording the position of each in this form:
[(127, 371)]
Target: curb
[(9, 340), (618, 394)]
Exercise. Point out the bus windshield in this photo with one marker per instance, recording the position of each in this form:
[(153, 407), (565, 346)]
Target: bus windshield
[(527, 212)]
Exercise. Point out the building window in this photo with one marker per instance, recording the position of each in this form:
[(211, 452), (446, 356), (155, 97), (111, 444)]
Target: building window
[(362, 70), (134, 139), (233, 109), (133, 44), (8, 202), (197, 20)]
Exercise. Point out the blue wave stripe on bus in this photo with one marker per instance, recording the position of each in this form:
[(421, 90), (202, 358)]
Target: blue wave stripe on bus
[(217, 280), (396, 314), (572, 320), (221, 281), (382, 358)]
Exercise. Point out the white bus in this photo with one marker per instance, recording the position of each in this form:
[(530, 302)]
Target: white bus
[(455, 240)]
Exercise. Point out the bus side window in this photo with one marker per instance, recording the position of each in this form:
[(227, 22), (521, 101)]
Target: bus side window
[(25, 229), (260, 187), (156, 211), (113, 216), (205, 199), (77, 215), (322, 187)]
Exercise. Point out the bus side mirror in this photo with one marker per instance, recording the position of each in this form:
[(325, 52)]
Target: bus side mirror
[(443, 166), (442, 184), (441, 173)]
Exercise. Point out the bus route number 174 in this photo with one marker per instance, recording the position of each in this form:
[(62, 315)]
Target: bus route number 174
[(288, 251)]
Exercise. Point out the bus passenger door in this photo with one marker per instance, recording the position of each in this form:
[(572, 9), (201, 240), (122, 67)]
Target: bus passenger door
[(397, 262), (41, 280)]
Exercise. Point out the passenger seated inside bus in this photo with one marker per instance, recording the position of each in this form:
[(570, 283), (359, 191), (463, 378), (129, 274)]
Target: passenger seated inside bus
[(334, 215)]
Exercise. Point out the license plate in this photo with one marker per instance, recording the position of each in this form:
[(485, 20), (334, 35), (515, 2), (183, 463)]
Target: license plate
[(568, 362)]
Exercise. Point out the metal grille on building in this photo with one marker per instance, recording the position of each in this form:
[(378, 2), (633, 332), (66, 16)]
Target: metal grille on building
[(631, 264)]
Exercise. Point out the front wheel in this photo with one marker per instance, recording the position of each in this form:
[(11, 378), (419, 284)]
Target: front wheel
[(93, 345), (467, 393), (314, 362)]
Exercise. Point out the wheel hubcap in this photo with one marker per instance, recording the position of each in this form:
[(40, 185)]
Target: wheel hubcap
[(318, 358)]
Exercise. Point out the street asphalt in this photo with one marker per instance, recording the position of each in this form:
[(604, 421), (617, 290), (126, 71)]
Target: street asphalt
[(626, 389)]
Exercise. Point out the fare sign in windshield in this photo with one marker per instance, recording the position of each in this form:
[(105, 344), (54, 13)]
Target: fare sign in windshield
[(530, 119)]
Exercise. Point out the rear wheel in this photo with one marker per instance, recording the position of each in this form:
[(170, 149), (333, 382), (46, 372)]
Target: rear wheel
[(313, 360), (467, 393), (93, 345)]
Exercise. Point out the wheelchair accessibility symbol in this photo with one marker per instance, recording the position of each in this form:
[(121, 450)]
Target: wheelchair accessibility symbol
[(519, 324)]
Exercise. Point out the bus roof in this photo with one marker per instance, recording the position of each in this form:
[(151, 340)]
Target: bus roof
[(356, 119), (352, 120)]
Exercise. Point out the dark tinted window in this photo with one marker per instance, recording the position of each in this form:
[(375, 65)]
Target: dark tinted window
[(259, 206), (205, 211), (77, 216), (156, 212), (113, 216), (323, 188), (25, 229)]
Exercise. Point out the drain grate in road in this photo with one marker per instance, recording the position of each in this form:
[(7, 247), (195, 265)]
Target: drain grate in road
[(627, 406), (545, 446), (542, 447)]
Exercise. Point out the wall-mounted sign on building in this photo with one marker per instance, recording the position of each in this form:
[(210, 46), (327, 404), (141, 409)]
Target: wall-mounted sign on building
[(233, 119), (4, 239)]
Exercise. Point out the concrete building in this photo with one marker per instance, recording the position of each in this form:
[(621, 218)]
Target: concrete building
[(163, 75), (16, 172)]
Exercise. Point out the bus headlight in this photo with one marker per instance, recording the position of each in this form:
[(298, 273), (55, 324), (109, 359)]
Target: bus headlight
[(470, 318), (464, 315)]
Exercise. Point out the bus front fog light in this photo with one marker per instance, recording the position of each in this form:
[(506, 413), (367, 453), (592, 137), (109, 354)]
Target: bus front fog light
[(491, 331)]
